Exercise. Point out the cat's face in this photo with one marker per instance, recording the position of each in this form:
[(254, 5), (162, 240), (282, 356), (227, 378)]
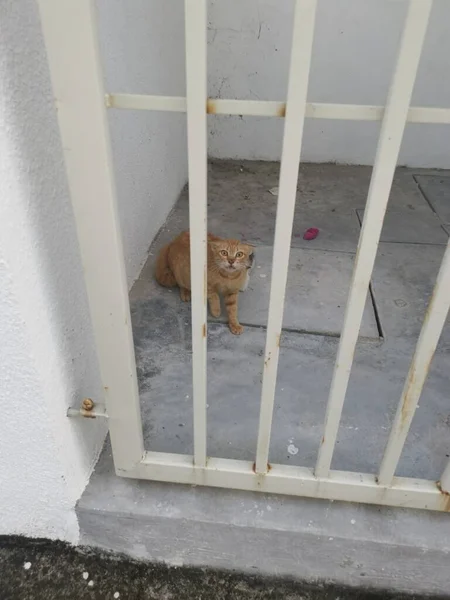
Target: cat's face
[(232, 256)]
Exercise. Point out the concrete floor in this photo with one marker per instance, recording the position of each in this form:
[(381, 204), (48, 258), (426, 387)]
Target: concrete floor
[(352, 545), (331, 198)]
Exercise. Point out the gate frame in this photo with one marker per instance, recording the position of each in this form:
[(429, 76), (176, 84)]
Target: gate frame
[(70, 35)]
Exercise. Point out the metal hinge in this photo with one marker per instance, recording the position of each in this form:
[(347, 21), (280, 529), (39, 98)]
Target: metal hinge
[(88, 409)]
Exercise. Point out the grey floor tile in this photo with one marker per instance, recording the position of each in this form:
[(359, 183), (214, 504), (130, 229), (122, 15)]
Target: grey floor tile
[(436, 190), (329, 196)]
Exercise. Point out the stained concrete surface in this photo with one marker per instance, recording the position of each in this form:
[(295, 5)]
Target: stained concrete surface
[(240, 203), (56, 571), (123, 514), (315, 295), (436, 189)]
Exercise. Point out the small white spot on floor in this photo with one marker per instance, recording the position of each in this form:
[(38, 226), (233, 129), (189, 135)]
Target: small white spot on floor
[(353, 521), (263, 275), (330, 539), (116, 594), (85, 575), (91, 583), (292, 449), (26, 566)]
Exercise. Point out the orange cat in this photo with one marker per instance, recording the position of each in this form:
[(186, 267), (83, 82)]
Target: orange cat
[(229, 262)]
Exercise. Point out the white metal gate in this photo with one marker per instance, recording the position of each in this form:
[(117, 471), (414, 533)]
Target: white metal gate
[(71, 40)]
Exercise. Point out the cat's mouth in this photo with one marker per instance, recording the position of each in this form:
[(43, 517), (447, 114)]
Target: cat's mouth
[(234, 268)]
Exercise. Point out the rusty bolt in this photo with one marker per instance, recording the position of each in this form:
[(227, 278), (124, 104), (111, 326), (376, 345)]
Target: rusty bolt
[(87, 404)]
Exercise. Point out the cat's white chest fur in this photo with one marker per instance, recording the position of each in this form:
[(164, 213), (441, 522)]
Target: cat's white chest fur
[(247, 279)]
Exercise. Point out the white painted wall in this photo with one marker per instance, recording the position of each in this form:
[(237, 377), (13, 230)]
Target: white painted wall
[(47, 357), (354, 53), (142, 43)]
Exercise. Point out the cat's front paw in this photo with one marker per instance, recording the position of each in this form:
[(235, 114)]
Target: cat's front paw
[(235, 328), (185, 295), (215, 311)]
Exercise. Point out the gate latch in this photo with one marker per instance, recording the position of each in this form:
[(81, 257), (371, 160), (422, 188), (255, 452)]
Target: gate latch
[(88, 409)]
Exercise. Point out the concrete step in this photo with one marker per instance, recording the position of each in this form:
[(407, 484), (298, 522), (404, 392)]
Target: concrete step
[(312, 541)]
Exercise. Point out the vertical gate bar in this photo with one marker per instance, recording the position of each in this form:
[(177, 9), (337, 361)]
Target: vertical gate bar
[(444, 483), (303, 34), (196, 98), (70, 37), (388, 148), (433, 324)]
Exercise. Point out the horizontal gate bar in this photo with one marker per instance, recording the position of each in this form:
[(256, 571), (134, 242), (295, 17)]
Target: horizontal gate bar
[(444, 483), (390, 140), (196, 42), (296, 481), (262, 108), (433, 324), (303, 34)]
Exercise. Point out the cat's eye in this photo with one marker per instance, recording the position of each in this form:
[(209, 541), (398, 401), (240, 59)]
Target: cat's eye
[(239, 254), (224, 253)]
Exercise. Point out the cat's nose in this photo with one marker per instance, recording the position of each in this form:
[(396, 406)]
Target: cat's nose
[(231, 261)]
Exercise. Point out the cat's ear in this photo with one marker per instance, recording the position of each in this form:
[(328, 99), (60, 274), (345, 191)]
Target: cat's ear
[(213, 238), (214, 245)]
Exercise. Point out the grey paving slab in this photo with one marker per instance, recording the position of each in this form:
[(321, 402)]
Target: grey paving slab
[(163, 351), (403, 279), (413, 225), (328, 196), (317, 289), (249, 214), (436, 189)]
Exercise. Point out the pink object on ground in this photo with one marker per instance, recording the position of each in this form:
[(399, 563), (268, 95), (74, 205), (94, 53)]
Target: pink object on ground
[(311, 233)]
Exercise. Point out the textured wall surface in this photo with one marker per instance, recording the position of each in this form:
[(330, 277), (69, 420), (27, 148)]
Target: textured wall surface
[(47, 354), (142, 44), (353, 57), (47, 358)]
